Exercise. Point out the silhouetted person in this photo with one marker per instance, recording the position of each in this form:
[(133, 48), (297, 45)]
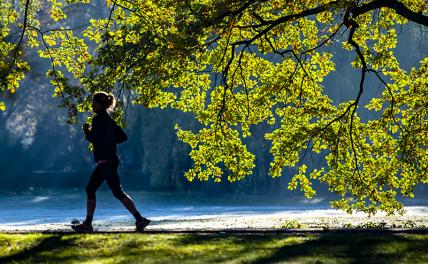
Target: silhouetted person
[(104, 135)]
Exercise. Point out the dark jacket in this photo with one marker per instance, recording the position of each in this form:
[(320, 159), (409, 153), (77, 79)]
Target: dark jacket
[(104, 136)]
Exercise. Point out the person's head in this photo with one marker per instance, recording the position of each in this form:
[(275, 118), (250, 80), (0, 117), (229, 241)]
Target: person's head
[(102, 101)]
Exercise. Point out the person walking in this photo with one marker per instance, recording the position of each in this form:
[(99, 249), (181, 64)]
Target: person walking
[(105, 134)]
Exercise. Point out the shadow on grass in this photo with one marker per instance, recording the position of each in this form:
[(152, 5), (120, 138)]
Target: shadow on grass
[(244, 248), (353, 248), (321, 248), (45, 245)]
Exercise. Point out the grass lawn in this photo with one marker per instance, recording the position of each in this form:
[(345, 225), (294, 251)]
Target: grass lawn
[(213, 248)]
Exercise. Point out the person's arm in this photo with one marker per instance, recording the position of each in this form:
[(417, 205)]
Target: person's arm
[(120, 134), (90, 133)]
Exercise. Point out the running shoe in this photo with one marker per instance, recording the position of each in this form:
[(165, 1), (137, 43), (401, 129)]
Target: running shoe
[(141, 225), (82, 228)]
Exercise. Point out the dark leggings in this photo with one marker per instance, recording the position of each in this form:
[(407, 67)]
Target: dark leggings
[(105, 171)]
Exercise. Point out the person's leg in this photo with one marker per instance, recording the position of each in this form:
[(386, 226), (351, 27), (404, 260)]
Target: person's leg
[(92, 186), (113, 181), (94, 183), (91, 203)]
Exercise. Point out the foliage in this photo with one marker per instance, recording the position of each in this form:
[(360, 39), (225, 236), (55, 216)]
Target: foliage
[(292, 224), (237, 64)]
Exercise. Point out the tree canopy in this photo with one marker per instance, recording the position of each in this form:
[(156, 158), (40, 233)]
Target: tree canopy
[(238, 64)]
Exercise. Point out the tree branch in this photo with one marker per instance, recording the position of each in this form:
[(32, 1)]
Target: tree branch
[(398, 7), (353, 25), (21, 39), (273, 23)]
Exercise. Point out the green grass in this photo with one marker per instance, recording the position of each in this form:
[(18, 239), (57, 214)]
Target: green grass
[(213, 248)]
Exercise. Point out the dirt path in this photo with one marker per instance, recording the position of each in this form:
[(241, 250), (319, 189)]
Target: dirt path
[(315, 221)]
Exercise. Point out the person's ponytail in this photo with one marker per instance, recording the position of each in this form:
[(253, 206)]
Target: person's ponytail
[(111, 102), (106, 100)]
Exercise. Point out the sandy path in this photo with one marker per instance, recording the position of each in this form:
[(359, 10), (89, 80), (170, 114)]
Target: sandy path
[(311, 219)]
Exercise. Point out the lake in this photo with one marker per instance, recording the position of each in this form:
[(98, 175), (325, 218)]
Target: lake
[(49, 207)]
